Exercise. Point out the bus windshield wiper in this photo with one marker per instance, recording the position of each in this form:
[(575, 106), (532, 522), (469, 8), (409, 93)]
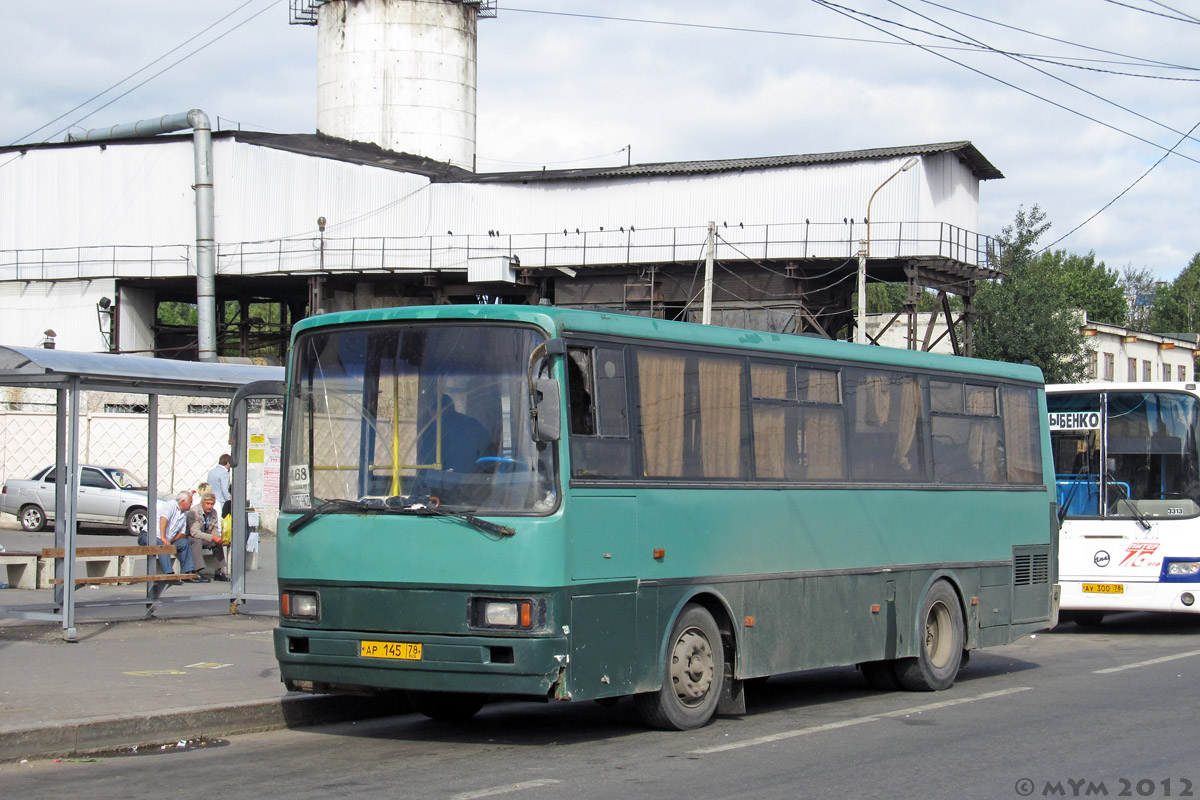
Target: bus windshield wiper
[(1137, 512), (427, 506), (326, 507)]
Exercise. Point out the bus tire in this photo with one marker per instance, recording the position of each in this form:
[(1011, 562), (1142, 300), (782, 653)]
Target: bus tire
[(880, 675), (692, 675), (941, 644), (447, 706)]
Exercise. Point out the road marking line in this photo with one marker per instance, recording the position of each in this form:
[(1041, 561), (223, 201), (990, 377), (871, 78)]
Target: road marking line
[(495, 790), (1147, 663), (829, 726), (207, 665)]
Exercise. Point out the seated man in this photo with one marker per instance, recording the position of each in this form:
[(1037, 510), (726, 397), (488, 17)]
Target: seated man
[(172, 521), (204, 533)]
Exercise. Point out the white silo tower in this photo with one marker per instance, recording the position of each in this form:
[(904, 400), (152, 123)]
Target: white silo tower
[(398, 73)]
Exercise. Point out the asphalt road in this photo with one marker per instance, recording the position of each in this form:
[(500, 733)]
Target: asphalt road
[(1072, 713)]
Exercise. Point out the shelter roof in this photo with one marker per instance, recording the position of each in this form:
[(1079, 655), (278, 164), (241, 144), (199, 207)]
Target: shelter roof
[(53, 369)]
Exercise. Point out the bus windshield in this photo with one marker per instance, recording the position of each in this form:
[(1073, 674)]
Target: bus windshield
[(436, 415), (1126, 453)]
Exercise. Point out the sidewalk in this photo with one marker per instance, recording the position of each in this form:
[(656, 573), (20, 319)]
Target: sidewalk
[(192, 671)]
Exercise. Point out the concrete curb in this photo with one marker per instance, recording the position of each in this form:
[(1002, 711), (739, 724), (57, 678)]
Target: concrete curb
[(103, 734)]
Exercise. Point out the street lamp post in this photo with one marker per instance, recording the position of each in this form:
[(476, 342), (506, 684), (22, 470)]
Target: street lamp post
[(860, 330)]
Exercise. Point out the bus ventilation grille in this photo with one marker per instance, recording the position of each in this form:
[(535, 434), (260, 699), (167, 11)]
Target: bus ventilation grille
[(1031, 568)]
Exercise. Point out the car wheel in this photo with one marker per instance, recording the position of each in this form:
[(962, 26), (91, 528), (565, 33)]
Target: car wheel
[(33, 519), (135, 521)]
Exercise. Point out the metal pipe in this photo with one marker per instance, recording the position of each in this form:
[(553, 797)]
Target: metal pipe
[(206, 252)]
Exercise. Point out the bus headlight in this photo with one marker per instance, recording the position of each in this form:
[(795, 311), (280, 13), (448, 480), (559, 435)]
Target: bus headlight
[(305, 606), (1183, 567), (502, 613)]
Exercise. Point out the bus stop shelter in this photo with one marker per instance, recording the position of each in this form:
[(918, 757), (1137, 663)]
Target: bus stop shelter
[(70, 374)]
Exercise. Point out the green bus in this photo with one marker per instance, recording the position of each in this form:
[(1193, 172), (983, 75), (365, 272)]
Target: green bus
[(534, 502)]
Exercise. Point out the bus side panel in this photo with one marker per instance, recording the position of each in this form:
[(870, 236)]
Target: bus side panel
[(603, 659)]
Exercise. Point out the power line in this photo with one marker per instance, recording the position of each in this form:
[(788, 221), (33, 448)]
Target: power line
[(141, 70), (1047, 74), (1177, 11), (1154, 13), (1122, 193), (857, 40), (1067, 42), (850, 13)]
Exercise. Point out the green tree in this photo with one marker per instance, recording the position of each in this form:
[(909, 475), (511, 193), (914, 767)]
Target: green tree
[(1089, 285), (1177, 305), (1026, 315)]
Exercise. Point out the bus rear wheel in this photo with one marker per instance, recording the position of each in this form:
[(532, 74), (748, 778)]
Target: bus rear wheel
[(447, 706), (693, 675), (941, 647)]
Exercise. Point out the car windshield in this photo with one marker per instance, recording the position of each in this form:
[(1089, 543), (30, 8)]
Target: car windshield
[(416, 411), (125, 479)]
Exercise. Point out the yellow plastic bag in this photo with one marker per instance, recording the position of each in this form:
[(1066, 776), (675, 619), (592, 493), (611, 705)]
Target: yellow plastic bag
[(227, 529)]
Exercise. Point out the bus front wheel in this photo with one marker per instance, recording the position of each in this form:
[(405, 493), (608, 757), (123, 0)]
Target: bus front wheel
[(692, 676), (447, 706), (941, 645)]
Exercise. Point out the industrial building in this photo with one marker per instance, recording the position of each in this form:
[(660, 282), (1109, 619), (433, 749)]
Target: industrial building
[(382, 207)]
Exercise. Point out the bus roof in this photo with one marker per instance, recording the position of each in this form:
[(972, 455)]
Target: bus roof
[(557, 321), (1114, 386)]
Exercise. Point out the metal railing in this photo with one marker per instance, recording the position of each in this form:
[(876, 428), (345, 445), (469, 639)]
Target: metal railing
[(452, 253)]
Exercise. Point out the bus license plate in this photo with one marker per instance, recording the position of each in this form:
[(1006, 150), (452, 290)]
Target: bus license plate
[(1104, 588), (408, 651)]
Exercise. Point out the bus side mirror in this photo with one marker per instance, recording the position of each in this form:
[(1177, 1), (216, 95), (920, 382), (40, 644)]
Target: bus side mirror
[(547, 417)]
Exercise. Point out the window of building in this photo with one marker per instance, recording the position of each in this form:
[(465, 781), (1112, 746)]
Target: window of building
[(1182, 373), (126, 408), (208, 408), (1166, 372), (1147, 374), (1091, 364), (1131, 375), (1109, 367)]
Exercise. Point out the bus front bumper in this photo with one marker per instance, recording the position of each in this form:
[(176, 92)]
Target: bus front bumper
[(1132, 596), (333, 661)]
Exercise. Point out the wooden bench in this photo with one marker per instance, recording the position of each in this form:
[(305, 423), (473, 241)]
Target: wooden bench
[(84, 553)]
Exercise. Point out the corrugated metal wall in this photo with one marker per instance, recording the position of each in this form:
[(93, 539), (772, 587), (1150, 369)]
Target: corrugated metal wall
[(117, 200), (68, 308)]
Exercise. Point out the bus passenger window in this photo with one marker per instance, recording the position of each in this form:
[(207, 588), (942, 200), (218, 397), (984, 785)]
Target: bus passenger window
[(581, 391), (799, 424), (600, 444), (885, 408), (966, 432)]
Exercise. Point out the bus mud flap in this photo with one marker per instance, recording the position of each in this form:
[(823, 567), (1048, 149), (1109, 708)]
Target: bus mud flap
[(733, 699)]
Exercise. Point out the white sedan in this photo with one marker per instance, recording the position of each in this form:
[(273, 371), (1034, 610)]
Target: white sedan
[(107, 495)]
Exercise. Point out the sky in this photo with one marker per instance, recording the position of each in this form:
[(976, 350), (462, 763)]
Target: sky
[(1075, 101)]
